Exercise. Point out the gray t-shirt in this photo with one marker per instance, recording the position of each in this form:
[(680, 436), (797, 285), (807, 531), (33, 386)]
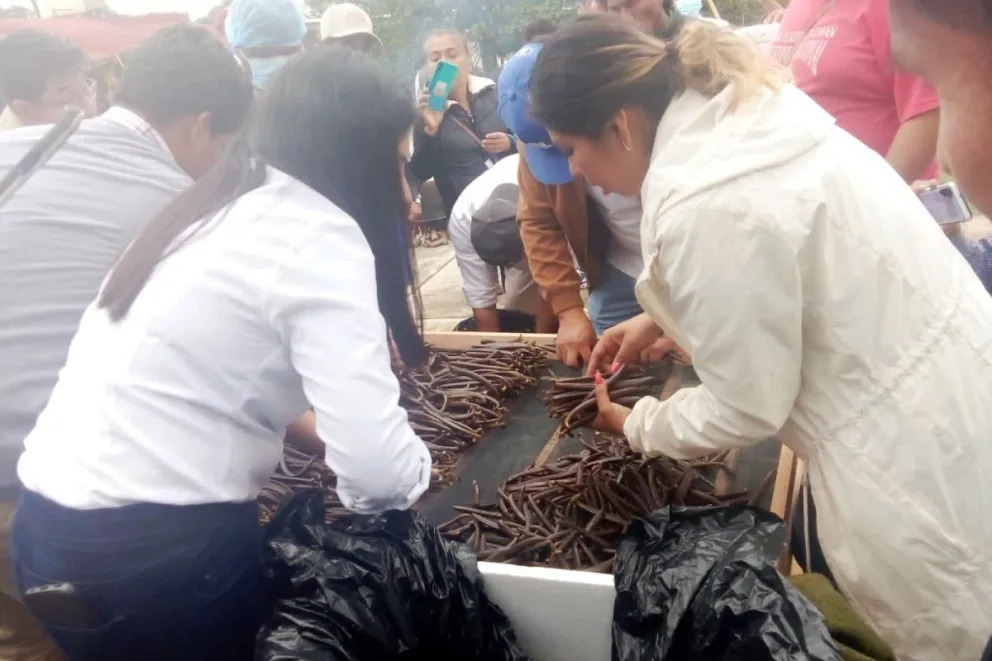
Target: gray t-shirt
[(59, 236)]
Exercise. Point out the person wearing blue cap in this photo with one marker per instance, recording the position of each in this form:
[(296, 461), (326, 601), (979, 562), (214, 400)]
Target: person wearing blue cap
[(561, 216), (266, 33)]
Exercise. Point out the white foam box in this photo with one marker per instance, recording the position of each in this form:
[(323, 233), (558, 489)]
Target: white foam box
[(558, 615)]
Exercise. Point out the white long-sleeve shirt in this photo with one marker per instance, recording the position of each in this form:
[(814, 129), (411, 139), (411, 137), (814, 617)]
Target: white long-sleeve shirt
[(622, 216), (480, 281), (186, 399)]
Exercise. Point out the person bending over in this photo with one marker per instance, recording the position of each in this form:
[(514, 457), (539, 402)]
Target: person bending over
[(271, 286), (484, 233)]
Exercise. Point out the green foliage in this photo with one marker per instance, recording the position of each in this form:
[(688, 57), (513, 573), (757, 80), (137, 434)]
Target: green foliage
[(741, 12), (496, 26)]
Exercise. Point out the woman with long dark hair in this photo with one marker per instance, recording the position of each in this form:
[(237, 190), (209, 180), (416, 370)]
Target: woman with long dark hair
[(267, 288), (817, 299)]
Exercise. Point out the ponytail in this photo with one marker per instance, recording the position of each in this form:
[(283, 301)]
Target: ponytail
[(589, 70), (237, 174), (711, 58)]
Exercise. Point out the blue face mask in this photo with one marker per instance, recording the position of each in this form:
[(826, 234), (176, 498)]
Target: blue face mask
[(263, 69), (689, 7)]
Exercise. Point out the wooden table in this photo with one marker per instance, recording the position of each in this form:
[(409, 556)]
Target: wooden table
[(528, 438)]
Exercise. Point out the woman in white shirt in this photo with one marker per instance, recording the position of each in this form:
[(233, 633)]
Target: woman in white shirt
[(266, 289), (819, 303)]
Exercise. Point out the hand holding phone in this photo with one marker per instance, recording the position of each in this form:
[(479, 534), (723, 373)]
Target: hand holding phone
[(945, 203), (439, 89), (431, 118)]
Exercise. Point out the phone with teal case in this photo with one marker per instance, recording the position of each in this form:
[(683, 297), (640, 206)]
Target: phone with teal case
[(439, 88)]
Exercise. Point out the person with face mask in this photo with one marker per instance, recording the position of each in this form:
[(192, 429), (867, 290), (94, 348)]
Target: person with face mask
[(266, 34), (456, 145), (817, 299), (40, 75)]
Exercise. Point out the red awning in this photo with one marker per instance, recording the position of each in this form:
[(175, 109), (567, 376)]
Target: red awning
[(100, 38)]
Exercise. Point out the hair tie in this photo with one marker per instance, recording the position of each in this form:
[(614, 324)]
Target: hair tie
[(672, 49)]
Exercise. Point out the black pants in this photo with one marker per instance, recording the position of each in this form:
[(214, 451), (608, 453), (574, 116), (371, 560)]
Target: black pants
[(150, 582), (817, 561)]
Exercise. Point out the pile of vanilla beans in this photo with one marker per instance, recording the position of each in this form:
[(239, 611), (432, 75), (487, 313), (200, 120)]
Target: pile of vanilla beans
[(460, 393), (451, 401), (572, 513), (299, 471)]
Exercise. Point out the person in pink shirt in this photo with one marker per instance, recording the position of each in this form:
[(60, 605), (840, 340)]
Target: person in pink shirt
[(839, 54)]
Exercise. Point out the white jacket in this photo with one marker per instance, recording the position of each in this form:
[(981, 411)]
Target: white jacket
[(821, 303)]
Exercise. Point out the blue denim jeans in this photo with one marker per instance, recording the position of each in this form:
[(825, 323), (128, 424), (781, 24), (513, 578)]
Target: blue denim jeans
[(612, 301), (159, 582)]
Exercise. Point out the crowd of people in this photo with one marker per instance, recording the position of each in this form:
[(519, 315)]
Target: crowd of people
[(222, 258)]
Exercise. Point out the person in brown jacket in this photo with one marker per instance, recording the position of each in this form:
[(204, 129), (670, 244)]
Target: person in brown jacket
[(564, 222)]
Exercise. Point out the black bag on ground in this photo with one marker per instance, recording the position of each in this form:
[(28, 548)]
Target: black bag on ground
[(700, 583), (375, 587)]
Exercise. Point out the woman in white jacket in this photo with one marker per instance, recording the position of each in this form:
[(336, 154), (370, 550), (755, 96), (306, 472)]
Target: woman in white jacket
[(819, 303), (265, 289)]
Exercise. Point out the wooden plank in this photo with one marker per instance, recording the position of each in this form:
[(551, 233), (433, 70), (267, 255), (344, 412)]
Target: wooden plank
[(783, 499), (783, 482)]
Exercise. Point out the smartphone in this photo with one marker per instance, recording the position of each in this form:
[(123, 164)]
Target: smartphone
[(946, 204), (439, 88)]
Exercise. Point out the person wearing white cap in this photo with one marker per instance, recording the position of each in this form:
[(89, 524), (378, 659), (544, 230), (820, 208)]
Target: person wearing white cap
[(351, 26)]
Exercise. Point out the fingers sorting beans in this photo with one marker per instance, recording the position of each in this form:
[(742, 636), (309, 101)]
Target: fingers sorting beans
[(569, 514), (450, 401), (573, 400), (299, 471)]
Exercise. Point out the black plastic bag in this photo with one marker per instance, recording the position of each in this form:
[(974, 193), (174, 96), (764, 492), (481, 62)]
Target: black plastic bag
[(700, 583), (373, 588)]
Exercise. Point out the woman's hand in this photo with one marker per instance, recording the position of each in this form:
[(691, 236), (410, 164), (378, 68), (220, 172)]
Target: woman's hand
[(611, 415), (431, 118), (496, 143), (576, 337), (636, 341)]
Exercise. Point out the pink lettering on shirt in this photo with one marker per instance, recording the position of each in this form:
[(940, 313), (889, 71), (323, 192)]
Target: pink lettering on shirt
[(841, 58)]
